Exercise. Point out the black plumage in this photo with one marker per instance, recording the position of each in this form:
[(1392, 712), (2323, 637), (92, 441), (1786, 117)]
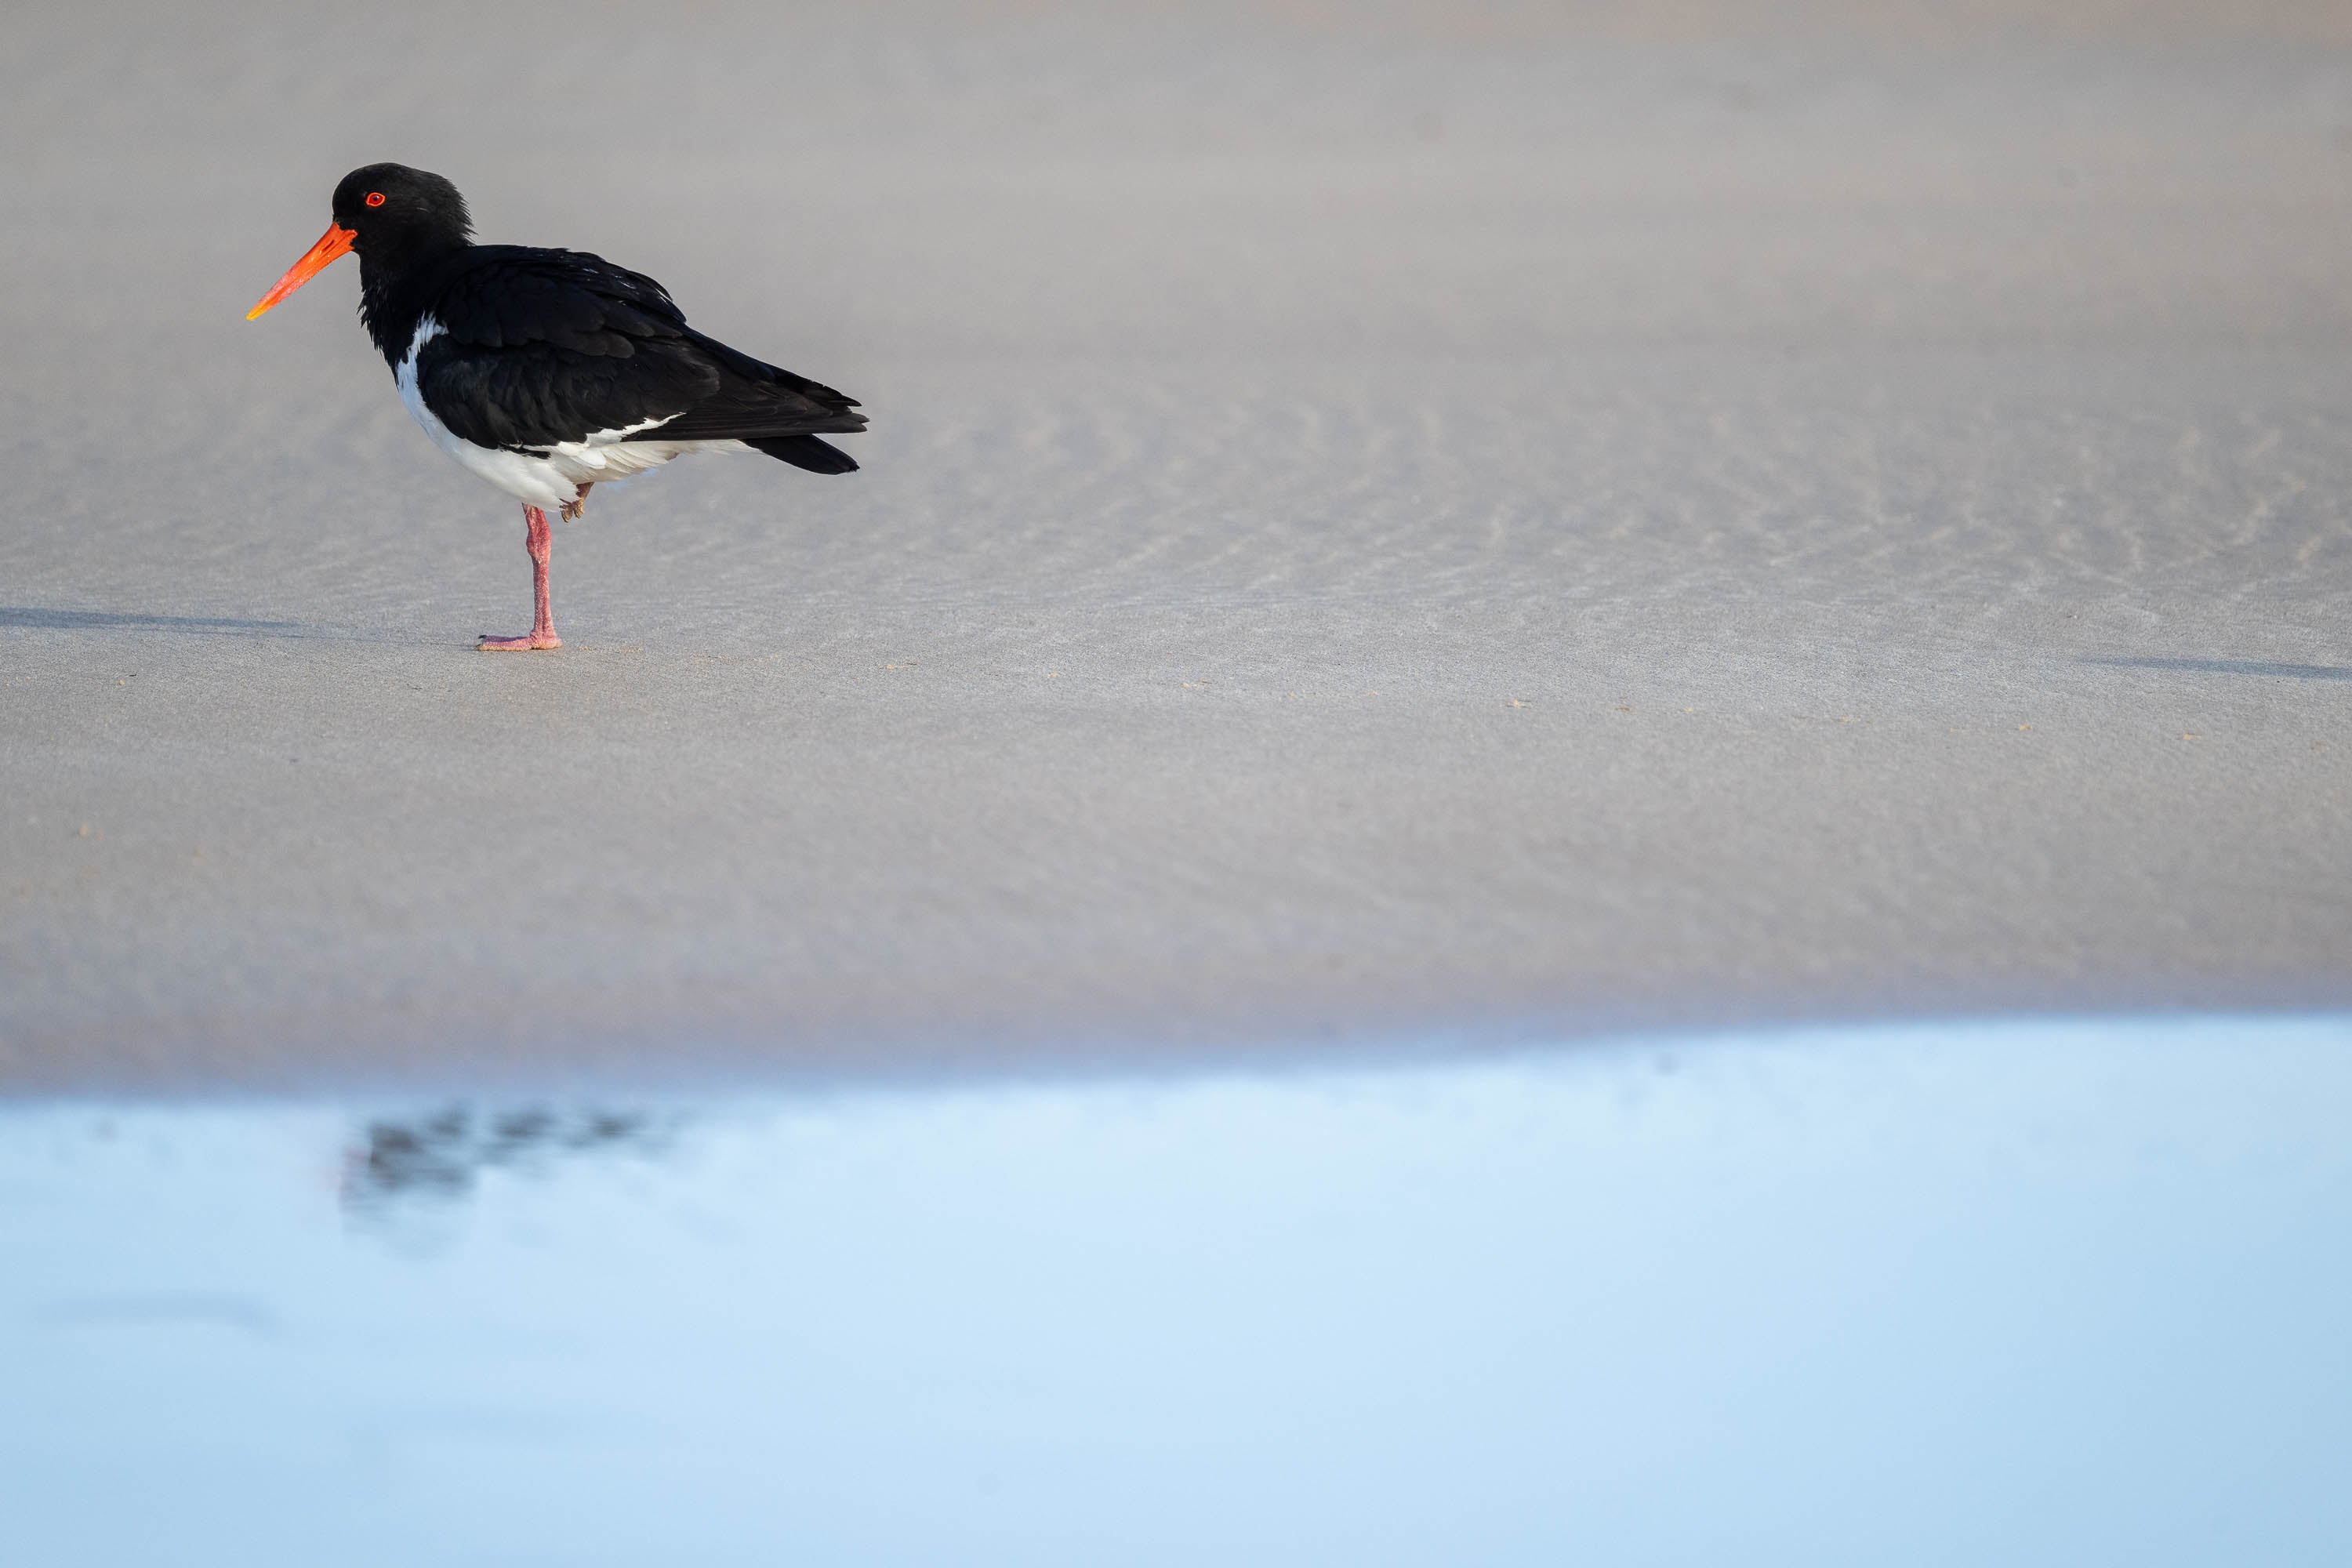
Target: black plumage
[(547, 372), (538, 347), (541, 346)]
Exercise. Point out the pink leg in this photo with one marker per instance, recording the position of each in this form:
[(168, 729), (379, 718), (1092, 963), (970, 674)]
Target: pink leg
[(540, 539)]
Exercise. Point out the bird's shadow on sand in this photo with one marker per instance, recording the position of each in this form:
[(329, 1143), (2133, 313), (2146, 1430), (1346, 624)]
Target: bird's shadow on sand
[(2229, 667), (104, 620)]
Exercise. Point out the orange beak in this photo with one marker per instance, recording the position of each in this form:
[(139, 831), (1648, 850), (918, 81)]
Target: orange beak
[(331, 244)]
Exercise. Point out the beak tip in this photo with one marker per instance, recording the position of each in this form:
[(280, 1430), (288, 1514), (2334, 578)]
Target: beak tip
[(337, 241)]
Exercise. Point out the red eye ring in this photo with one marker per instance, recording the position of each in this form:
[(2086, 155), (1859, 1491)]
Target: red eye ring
[(375, 198)]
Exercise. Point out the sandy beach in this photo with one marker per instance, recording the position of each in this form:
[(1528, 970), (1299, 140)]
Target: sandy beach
[(1418, 524)]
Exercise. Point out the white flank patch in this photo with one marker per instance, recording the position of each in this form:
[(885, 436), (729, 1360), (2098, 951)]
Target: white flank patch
[(554, 479), (607, 437)]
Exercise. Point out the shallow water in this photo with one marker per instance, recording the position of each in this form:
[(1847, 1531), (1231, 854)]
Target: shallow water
[(1966, 1294)]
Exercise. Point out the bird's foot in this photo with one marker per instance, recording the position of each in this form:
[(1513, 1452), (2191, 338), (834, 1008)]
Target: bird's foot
[(525, 644), (577, 504)]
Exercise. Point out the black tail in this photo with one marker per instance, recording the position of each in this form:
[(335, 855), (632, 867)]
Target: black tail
[(805, 452)]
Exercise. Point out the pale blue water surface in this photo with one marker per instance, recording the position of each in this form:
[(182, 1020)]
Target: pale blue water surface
[(2030, 1293)]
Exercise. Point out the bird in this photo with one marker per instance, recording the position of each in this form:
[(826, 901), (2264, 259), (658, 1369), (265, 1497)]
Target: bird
[(545, 371)]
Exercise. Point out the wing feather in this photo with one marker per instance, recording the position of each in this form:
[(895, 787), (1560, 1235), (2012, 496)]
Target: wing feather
[(538, 347)]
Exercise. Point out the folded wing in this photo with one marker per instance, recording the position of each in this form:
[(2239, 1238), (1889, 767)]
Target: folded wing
[(541, 347)]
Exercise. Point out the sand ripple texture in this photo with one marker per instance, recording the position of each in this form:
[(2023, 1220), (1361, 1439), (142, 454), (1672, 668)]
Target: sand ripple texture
[(1385, 523)]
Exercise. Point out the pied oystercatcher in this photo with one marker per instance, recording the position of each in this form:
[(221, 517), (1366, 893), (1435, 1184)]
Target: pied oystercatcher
[(546, 372)]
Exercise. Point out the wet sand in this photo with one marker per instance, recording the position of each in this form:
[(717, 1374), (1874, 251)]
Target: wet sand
[(1420, 525)]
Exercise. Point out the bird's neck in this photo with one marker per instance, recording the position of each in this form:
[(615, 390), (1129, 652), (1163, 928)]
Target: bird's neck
[(395, 289)]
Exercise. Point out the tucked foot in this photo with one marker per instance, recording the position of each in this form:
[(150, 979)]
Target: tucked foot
[(525, 644)]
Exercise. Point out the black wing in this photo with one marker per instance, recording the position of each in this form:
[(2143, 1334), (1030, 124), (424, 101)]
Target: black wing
[(541, 346)]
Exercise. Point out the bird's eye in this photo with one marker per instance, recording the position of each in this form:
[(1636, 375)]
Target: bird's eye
[(375, 198)]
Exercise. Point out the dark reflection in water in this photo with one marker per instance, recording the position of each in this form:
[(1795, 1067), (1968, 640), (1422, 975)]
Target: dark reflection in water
[(437, 1156)]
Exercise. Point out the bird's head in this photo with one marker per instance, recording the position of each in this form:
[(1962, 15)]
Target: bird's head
[(387, 212)]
